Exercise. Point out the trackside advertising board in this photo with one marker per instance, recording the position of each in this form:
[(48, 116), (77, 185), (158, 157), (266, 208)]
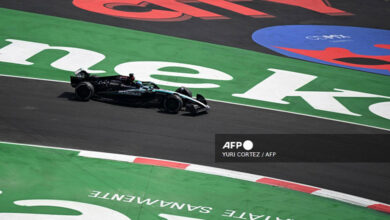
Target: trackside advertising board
[(47, 184), (52, 48)]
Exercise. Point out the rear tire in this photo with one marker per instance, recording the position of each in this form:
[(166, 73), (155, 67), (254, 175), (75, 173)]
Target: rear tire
[(84, 91), (172, 104)]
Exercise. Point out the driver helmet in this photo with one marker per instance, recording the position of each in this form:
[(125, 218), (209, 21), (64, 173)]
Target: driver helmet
[(138, 83)]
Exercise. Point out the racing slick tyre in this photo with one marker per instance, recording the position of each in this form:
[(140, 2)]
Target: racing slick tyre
[(201, 99), (172, 104), (84, 91), (184, 91)]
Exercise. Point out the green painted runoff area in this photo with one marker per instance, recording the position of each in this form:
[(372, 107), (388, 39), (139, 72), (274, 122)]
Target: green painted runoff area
[(248, 68), (31, 173)]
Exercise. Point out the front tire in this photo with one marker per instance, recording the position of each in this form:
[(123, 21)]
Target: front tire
[(184, 91), (172, 104), (84, 91)]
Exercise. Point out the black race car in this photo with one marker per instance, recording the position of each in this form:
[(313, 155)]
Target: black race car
[(125, 90)]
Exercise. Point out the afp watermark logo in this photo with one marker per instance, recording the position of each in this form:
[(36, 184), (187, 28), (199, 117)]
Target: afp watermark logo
[(247, 145), (301, 147), (240, 148)]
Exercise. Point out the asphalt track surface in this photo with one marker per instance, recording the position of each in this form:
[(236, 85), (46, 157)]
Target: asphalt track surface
[(41, 112)]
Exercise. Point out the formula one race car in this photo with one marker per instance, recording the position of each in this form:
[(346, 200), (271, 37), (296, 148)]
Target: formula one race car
[(125, 90)]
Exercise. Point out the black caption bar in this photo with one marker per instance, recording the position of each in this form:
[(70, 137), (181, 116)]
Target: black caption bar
[(302, 148)]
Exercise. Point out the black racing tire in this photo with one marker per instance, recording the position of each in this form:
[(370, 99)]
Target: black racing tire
[(201, 99), (84, 91), (184, 91), (172, 104)]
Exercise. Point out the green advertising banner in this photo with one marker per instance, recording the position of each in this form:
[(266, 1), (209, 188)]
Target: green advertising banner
[(52, 48), (54, 184)]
